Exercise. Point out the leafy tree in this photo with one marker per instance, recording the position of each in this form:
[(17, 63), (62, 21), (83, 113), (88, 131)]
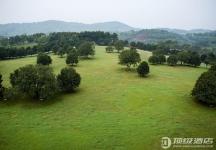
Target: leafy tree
[(205, 87), (212, 56), (30, 52), (129, 57), (153, 59), (159, 52), (1, 87), (68, 79), (55, 49), (208, 60), (44, 59), (72, 58), (9, 93), (133, 44), (194, 60), (85, 49), (203, 57), (38, 80), (40, 49), (119, 45), (132, 48), (61, 52), (109, 49), (143, 68), (161, 59), (172, 60), (3, 53), (69, 49), (183, 57)]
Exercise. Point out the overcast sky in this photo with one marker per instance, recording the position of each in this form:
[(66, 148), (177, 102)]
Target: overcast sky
[(181, 14)]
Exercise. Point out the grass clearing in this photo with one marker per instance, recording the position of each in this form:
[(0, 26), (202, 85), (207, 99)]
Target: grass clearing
[(110, 110)]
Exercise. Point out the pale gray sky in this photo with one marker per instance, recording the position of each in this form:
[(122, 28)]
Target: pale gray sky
[(181, 14)]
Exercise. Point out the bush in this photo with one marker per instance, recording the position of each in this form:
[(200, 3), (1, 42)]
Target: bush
[(205, 87), (68, 79), (9, 93), (143, 68), (153, 59)]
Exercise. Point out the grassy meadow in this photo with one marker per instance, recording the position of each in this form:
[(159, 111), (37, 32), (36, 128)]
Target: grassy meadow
[(112, 108)]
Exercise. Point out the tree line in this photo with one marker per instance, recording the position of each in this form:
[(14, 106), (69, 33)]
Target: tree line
[(62, 38), (58, 42), (184, 57)]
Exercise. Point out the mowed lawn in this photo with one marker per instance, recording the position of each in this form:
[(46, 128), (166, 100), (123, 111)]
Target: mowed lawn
[(112, 108)]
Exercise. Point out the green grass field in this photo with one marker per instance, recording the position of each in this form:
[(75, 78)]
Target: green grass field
[(112, 108)]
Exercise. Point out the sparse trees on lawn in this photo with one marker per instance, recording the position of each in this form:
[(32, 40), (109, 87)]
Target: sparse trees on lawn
[(143, 68), (68, 79)]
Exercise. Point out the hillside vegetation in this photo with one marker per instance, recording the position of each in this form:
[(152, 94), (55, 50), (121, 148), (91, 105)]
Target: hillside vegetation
[(60, 26)]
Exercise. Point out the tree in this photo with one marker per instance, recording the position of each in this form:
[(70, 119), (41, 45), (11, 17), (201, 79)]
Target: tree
[(203, 57), (85, 49), (205, 87), (61, 52), (9, 93), (55, 49), (40, 49), (109, 49), (194, 60), (72, 58), (133, 44), (44, 59), (69, 49), (161, 58), (208, 60), (153, 59), (68, 79), (1, 87), (158, 52), (183, 57), (129, 57), (36, 80), (172, 60), (119, 45), (143, 68), (30, 52)]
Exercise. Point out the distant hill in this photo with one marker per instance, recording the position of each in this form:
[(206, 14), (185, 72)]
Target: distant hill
[(151, 36), (60, 26), (184, 32)]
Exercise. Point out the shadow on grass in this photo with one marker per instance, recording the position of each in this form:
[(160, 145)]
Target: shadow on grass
[(87, 58), (28, 102), (200, 103)]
